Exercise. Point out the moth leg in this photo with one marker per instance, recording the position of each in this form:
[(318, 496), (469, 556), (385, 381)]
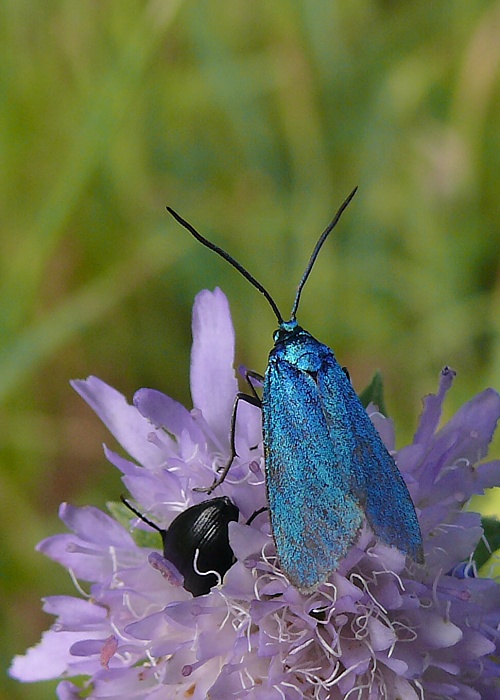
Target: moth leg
[(249, 375), (240, 396)]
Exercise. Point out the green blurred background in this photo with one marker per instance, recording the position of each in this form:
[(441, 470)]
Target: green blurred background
[(254, 120)]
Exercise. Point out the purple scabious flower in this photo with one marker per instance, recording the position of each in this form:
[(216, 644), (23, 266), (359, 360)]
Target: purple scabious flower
[(379, 627)]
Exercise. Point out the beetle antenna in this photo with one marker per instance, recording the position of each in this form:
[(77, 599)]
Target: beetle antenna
[(140, 515)]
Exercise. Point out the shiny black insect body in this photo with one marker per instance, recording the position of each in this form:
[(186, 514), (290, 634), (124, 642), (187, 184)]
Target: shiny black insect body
[(197, 542)]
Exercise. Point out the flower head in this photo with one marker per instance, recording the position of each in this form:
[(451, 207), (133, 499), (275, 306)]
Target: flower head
[(380, 627)]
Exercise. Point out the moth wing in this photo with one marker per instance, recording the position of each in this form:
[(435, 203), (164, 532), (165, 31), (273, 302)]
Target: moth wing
[(315, 516), (377, 482)]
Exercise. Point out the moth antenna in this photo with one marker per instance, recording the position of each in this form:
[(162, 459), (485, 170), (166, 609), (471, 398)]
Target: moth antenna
[(230, 260), (140, 515), (316, 250)]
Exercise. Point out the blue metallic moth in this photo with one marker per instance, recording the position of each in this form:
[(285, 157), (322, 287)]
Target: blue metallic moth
[(326, 466)]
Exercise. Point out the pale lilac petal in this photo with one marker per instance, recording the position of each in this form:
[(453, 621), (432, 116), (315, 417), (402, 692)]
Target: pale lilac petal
[(88, 564), (164, 412), (92, 525), (400, 689), (464, 439), (245, 540), (213, 381), (248, 427), (474, 423), (48, 659), (68, 691), (433, 404), (122, 420), (75, 613), (384, 426), (124, 465), (438, 632)]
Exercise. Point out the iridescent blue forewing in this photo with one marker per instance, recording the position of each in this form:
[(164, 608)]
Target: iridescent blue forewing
[(326, 466), (315, 516), (378, 484)]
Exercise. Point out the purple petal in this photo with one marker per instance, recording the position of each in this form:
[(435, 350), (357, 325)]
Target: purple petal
[(164, 412), (245, 540), (464, 438), (436, 632), (67, 691), (213, 381), (92, 525), (89, 564), (487, 475), (399, 687), (248, 426), (384, 426), (464, 480), (158, 495), (87, 552), (475, 422), (75, 612), (124, 465), (124, 421), (87, 647), (48, 659), (124, 684), (433, 404)]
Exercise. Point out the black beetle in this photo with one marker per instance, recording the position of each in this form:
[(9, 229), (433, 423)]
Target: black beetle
[(197, 541)]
